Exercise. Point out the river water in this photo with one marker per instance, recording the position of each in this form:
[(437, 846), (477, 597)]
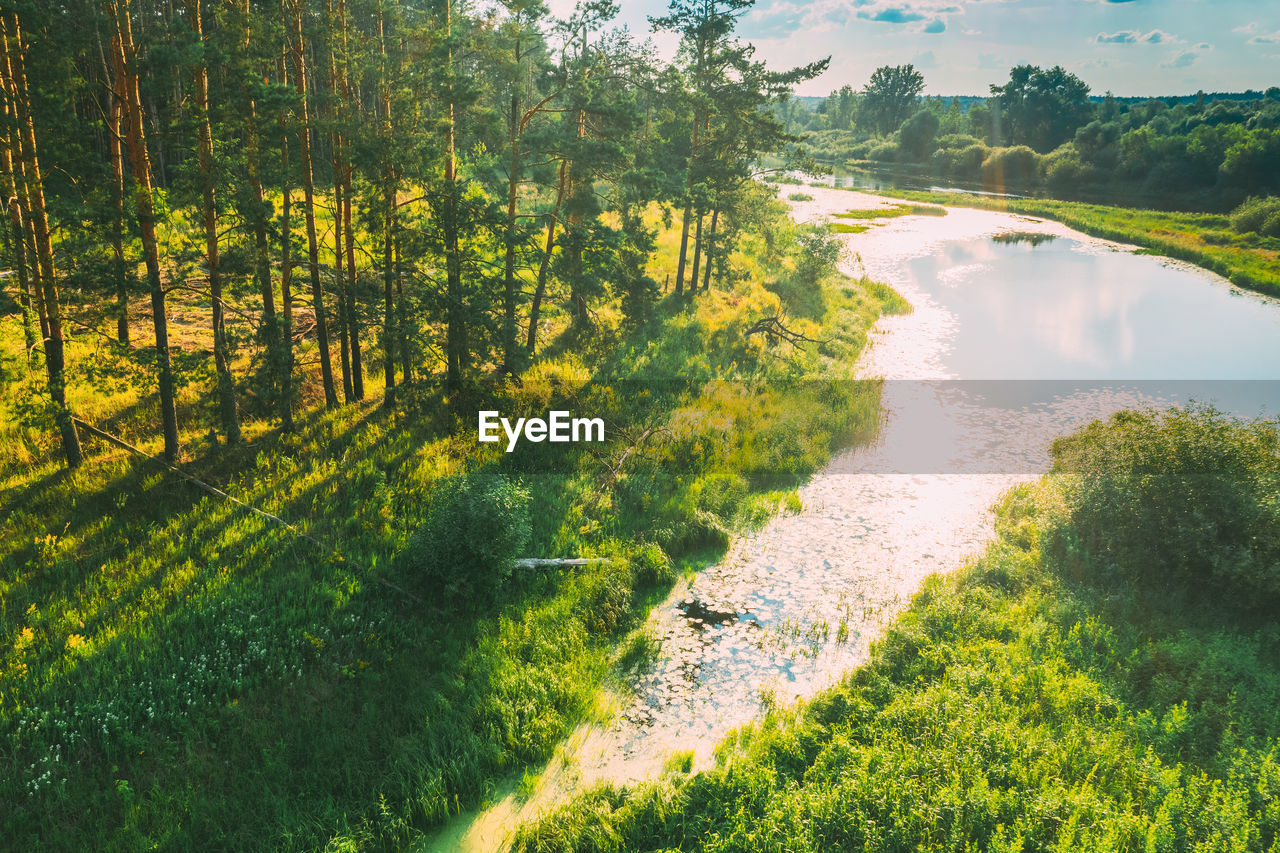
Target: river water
[(1021, 330)]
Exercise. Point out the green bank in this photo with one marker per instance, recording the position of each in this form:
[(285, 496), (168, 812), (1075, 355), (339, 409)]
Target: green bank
[(1103, 677), (177, 671)]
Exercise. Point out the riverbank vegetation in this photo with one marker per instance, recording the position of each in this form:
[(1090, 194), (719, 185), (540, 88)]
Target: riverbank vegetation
[(1042, 131), (178, 670), (1104, 677)]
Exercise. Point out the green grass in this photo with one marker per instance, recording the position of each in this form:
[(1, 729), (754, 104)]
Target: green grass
[(893, 211), (1205, 239), (176, 672), (1037, 699)]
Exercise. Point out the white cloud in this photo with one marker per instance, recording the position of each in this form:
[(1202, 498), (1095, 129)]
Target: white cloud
[(1137, 37)]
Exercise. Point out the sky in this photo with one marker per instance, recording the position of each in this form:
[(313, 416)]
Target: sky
[(1130, 47)]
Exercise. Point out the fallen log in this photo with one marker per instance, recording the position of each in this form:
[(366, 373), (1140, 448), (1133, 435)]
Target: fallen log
[(547, 562)]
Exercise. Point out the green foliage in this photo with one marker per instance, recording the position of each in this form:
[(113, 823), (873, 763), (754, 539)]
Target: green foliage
[(1260, 215), (476, 526), (889, 97), (1042, 107), (1018, 166), (1011, 707), (916, 136), (161, 638), (1187, 499)]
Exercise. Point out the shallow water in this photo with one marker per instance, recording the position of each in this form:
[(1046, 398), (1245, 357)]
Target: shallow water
[(1013, 340)]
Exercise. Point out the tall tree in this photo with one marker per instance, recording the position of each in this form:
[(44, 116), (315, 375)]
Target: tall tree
[(226, 386), (14, 60), (890, 97), (255, 206), (1042, 107), (125, 68), (285, 367), (299, 53)]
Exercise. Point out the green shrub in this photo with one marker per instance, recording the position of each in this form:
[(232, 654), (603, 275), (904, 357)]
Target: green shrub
[(1017, 166), (651, 567), (884, 151), (475, 528), (1183, 500), (958, 141), (1258, 214)]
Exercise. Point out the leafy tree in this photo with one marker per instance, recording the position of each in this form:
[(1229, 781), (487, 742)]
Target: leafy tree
[(890, 97), (1041, 108)]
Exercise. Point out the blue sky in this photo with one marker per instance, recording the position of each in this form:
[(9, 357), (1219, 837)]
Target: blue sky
[(1131, 47)]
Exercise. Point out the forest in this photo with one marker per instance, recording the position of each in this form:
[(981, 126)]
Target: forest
[(1042, 130), (400, 183)]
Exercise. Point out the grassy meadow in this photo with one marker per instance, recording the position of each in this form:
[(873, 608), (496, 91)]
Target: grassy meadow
[(1103, 677), (176, 672)]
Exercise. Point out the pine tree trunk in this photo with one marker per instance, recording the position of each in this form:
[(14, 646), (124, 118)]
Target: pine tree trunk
[(120, 270), (285, 366), (54, 358), (339, 278), (123, 60), (353, 323), (697, 256), (309, 207), (540, 290), (353, 320), (509, 343), (389, 334), (18, 225), (455, 326), (402, 319), (270, 332), (28, 235), (710, 250), (226, 386)]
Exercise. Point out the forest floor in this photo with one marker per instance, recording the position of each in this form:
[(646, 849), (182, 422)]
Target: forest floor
[(177, 672)]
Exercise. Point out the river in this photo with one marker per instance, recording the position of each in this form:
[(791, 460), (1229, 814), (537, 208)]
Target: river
[(1021, 330)]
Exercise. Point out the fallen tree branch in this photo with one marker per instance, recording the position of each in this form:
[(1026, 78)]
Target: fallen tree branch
[(540, 562)]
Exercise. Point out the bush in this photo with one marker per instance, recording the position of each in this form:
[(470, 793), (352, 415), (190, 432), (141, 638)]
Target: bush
[(475, 528), (651, 567), (1065, 173), (1258, 214), (958, 141), (1183, 500), (916, 137), (816, 261), (1016, 166), (884, 151)]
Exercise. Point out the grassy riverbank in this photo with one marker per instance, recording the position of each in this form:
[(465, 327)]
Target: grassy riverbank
[(1204, 239), (1104, 677), (178, 672)]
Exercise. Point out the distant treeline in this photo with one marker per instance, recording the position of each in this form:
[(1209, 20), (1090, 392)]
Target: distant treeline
[(1042, 129)]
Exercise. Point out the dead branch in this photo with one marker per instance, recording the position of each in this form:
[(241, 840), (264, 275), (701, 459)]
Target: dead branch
[(774, 330)]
